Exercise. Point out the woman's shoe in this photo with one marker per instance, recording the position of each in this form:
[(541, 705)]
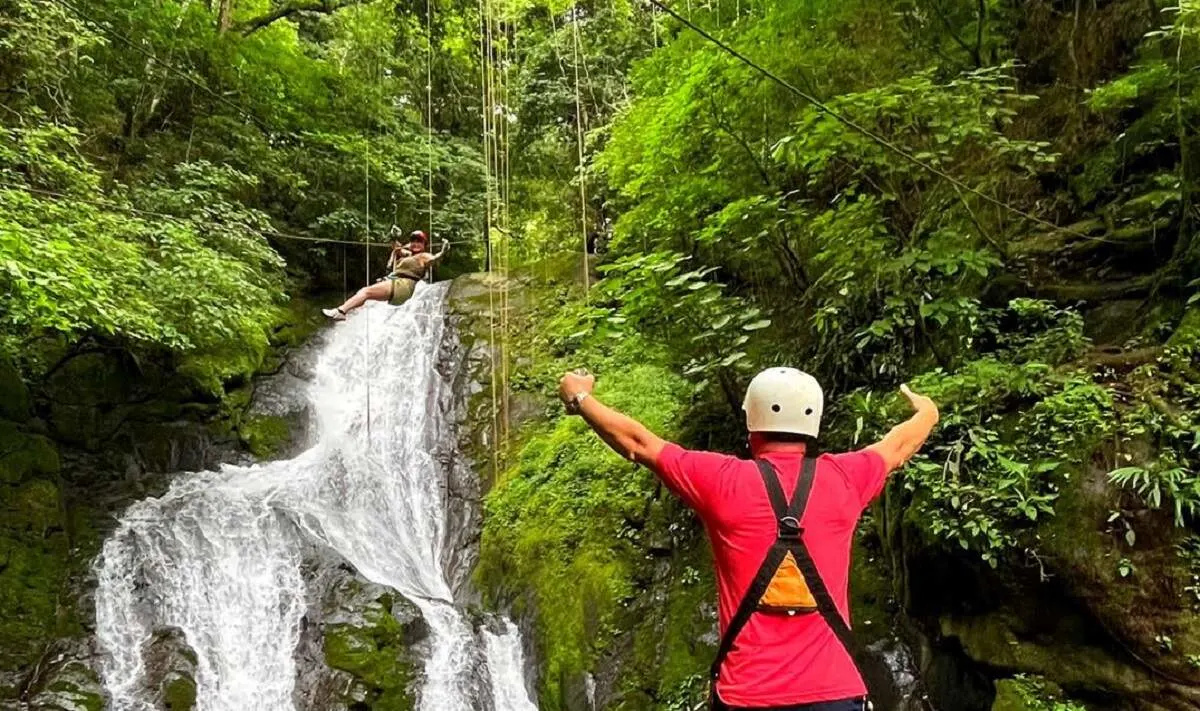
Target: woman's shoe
[(335, 314)]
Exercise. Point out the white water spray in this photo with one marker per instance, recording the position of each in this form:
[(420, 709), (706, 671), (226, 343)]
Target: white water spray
[(219, 555)]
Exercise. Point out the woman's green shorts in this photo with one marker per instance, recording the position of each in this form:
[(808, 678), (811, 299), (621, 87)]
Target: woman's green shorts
[(402, 290)]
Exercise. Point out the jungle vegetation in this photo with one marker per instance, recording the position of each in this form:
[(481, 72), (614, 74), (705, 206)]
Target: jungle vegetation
[(995, 201)]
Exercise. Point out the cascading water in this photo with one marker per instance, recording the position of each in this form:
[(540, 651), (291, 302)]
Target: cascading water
[(220, 555)]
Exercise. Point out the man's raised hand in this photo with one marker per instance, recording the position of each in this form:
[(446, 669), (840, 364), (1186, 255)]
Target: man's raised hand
[(919, 403), (573, 383)]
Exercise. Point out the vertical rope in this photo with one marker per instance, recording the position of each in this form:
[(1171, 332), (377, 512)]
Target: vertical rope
[(506, 172), (485, 110), (429, 106), (579, 142)]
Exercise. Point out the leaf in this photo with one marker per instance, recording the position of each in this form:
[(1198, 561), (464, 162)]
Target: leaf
[(730, 360), (757, 325)]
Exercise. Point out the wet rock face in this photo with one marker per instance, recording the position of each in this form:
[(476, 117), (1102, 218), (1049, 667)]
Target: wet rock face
[(892, 676), (277, 424)]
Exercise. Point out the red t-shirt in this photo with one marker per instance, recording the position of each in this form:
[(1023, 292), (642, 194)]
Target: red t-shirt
[(778, 660)]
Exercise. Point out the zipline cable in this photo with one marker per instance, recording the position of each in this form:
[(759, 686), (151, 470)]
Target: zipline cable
[(850, 123), (117, 207)]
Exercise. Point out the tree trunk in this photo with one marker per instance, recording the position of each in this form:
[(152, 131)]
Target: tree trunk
[(224, 16)]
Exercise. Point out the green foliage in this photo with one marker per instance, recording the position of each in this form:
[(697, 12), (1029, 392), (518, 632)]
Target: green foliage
[(1013, 428)]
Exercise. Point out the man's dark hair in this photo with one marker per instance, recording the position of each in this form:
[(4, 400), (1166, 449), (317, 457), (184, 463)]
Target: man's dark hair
[(792, 438)]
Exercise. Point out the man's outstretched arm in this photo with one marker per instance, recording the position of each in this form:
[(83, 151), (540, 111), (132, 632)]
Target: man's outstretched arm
[(625, 435), (899, 445)]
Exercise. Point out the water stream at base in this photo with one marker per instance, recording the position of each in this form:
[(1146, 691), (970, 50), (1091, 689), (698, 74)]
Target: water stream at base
[(220, 556)]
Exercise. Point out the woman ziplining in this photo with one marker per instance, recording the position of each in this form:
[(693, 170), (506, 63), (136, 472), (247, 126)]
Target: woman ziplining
[(408, 264)]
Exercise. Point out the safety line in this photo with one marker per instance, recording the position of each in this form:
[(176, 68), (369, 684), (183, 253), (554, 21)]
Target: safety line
[(816, 103)]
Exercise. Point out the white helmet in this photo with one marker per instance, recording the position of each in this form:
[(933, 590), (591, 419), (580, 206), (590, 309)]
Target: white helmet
[(784, 400)]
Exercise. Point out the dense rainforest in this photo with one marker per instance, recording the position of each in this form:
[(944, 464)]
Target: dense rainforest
[(995, 201)]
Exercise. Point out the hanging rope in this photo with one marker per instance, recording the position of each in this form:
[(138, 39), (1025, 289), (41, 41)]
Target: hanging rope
[(429, 112), (851, 124), (367, 268), (579, 145), (486, 112), (508, 40)]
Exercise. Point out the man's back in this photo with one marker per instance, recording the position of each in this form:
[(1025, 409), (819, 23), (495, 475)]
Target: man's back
[(778, 659)]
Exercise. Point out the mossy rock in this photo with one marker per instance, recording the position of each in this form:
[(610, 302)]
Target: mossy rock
[(265, 435), (375, 651), (35, 550), (24, 455), (85, 396)]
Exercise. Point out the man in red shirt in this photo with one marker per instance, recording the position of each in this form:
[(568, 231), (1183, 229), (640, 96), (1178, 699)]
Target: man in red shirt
[(778, 660)]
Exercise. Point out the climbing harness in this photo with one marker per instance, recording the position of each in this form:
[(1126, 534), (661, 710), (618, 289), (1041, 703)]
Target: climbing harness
[(787, 582)]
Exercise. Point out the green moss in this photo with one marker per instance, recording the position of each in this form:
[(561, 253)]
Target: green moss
[(35, 551), (375, 654), (301, 318), (264, 435), (672, 626), (569, 515), (180, 694)]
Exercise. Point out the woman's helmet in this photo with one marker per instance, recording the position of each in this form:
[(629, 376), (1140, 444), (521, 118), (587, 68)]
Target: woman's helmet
[(784, 400), (419, 236)]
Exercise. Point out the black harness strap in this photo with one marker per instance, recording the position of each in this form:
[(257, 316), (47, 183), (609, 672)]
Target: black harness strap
[(775, 554), (788, 540)]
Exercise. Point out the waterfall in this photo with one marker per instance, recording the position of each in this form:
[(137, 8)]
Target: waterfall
[(220, 556)]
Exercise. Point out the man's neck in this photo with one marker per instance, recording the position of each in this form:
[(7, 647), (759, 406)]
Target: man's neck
[(764, 448)]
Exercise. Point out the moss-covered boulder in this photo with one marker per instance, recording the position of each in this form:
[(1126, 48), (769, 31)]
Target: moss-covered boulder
[(24, 455)]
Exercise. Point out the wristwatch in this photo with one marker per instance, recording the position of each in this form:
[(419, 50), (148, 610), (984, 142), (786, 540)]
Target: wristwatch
[(576, 402)]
